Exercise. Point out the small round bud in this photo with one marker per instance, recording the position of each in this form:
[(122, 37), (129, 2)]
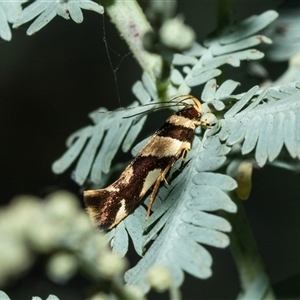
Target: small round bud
[(110, 264), (159, 278), (175, 34), (99, 296), (61, 267), (61, 206), (135, 292)]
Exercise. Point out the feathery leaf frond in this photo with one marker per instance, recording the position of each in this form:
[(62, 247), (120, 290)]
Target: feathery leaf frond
[(266, 119), (186, 221), (231, 47), (47, 10)]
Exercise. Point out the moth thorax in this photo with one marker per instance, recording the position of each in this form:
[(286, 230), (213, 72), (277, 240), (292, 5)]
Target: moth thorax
[(189, 112)]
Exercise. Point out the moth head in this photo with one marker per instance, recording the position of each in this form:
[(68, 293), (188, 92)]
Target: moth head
[(190, 101)]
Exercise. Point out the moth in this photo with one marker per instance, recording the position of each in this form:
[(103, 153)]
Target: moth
[(173, 140)]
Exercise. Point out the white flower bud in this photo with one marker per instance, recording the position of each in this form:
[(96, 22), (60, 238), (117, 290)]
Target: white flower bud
[(175, 34), (110, 264), (61, 267), (61, 206), (159, 278)]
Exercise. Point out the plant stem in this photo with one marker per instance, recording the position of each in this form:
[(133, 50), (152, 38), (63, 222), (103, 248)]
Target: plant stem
[(244, 250), (132, 24)]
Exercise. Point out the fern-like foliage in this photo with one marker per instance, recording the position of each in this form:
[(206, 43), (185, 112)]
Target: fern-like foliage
[(262, 120), (45, 11), (265, 119), (224, 49), (285, 35), (182, 220)]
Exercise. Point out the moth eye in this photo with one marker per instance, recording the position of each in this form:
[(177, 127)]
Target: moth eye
[(208, 120)]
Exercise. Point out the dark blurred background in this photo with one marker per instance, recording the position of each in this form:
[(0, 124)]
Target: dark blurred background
[(49, 82)]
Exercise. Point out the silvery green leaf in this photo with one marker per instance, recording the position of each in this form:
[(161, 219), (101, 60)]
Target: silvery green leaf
[(180, 60), (99, 114), (195, 50), (47, 10), (3, 296), (75, 11), (226, 88), (135, 227), (290, 139), (278, 129), (32, 11), (209, 91), (139, 146), (5, 32), (238, 132), (205, 219), (183, 89), (133, 133), (210, 162), (12, 9), (140, 92), (119, 242), (215, 199), (202, 77), (193, 264), (43, 19), (90, 5), (262, 94), (261, 153), (52, 297), (88, 155), (62, 11), (75, 135), (275, 94), (286, 40), (226, 130), (204, 235), (9, 12), (218, 105), (111, 144), (208, 63), (251, 135), (248, 27), (72, 153), (239, 45), (176, 77), (149, 86), (240, 104)]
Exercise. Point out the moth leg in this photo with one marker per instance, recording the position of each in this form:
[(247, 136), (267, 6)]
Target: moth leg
[(155, 189), (162, 177), (183, 157)]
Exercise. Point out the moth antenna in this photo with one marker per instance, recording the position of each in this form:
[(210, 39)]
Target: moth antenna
[(171, 104), (151, 110), (128, 108)]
